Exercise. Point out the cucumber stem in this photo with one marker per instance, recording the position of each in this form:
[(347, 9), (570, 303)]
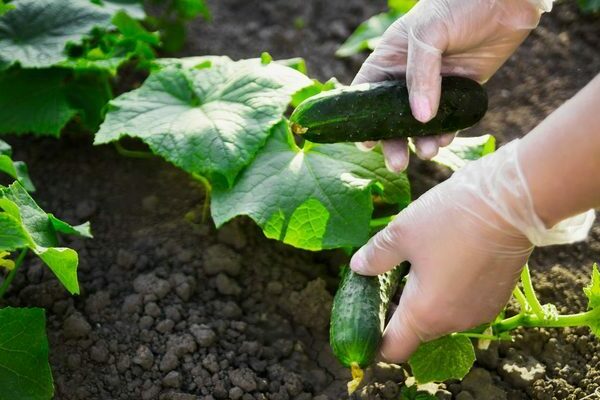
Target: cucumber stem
[(357, 377), (532, 299)]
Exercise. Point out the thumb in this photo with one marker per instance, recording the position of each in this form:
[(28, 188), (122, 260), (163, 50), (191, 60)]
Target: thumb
[(401, 336), (423, 77), (383, 251)]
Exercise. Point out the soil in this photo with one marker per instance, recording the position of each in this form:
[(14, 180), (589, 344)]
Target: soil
[(172, 309)]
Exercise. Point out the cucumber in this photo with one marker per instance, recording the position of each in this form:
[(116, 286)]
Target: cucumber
[(358, 315), (374, 111)]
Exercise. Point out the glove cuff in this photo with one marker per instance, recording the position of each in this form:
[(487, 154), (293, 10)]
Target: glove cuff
[(542, 5), (499, 181)]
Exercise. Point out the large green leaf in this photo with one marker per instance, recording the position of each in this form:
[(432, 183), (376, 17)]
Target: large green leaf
[(34, 101), (43, 101), (449, 357), (39, 231), (314, 197), (24, 369), (36, 32), (4, 8), (208, 121)]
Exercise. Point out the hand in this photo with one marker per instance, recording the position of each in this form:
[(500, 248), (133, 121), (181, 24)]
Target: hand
[(467, 240), (470, 38)]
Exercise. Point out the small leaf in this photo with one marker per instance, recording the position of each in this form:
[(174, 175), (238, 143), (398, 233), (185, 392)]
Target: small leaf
[(130, 28), (462, 150), (36, 33), (4, 262), (449, 357), (592, 291), (368, 34), (198, 62), (63, 262), (210, 121), (316, 197), (38, 231), (24, 355), (82, 230), (4, 8), (296, 63)]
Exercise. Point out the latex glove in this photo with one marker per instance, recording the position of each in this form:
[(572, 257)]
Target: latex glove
[(467, 240), (470, 38)]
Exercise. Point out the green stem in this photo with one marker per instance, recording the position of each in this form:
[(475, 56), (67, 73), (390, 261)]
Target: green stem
[(381, 222), (207, 195), (520, 297), (478, 336), (132, 153), (13, 272), (533, 321), (532, 299)]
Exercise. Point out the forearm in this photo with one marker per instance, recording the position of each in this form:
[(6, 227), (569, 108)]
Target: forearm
[(560, 158)]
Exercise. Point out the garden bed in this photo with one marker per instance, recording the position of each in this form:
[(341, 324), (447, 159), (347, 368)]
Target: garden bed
[(170, 308)]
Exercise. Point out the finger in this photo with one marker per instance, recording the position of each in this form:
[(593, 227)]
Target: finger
[(382, 252), (423, 77), (426, 147), (395, 152), (366, 146), (401, 337), (388, 60), (445, 139)]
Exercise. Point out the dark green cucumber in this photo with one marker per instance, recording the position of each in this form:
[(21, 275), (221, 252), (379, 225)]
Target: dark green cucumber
[(358, 315), (374, 111)]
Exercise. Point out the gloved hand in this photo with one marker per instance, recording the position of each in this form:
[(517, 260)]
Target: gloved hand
[(467, 240), (470, 38)]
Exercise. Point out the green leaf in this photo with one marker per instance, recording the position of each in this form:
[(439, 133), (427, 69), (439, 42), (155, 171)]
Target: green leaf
[(209, 121), (24, 369), (34, 101), (412, 393), (4, 8), (401, 6), (63, 262), (40, 229), (12, 235), (449, 357), (315, 197), (36, 32), (314, 89), (15, 169), (61, 226), (296, 63), (89, 93), (189, 9), (133, 8), (368, 34), (592, 291), (131, 28), (589, 6), (462, 150)]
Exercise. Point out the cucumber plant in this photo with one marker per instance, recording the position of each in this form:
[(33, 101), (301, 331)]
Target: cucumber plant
[(59, 58), (26, 228)]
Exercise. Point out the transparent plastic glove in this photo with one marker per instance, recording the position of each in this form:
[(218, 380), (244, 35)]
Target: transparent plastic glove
[(470, 38), (467, 240)]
